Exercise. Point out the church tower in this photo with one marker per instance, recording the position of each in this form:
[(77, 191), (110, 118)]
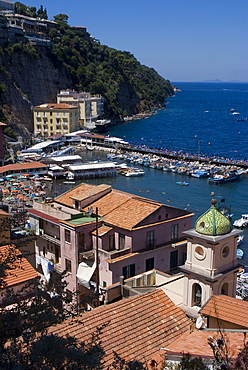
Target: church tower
[(211, 266)]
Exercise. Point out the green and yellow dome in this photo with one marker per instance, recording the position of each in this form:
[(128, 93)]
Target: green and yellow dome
[(213, 222)]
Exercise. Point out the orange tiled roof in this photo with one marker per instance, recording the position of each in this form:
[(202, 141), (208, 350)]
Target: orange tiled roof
[(110, 201), (89, 193), (3, 213), (22, 270), (136, 329), (102, 230), (21, 166), (129, 214), (196, 343), (66, 198), (228, 309)]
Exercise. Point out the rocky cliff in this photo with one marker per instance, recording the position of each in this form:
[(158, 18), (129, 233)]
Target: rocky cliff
[(28, 81)]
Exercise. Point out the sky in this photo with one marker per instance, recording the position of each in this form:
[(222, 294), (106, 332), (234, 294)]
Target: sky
[(183, 40)]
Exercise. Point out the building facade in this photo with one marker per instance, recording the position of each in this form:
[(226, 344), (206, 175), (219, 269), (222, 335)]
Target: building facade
[(90, 107), (129, 234), (50, 119)]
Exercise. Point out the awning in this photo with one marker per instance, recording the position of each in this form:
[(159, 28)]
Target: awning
[(85, 272)]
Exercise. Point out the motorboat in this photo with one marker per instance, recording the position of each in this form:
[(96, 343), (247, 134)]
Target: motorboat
[(239, 254), (241, 222), (199, 174), (132, 172), (240, 239), (220, 178), (184, 183)]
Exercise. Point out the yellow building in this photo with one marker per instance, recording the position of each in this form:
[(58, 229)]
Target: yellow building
[(91, 107), (51, 119)]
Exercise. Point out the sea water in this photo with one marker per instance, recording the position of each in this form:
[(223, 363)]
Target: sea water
[(196, 120)]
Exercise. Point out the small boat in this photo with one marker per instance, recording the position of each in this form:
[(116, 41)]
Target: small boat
[(69, 182), (220, 178), (132, 172), (199, 174), (240, 239), (241, 222), (182, 183), (239, 254)]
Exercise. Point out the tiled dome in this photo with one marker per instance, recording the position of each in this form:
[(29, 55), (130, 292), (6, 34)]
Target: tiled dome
[(213, 222)]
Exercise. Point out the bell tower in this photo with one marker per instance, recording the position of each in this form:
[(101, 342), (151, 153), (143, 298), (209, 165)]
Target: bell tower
[(211, 266)]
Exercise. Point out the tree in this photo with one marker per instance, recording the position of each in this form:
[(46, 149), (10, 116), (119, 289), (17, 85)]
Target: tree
[(61, 18)]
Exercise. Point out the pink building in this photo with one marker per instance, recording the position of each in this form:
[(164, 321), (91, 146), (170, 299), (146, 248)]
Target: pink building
[(132, 234)]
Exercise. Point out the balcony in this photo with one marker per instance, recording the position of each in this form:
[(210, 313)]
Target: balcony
[(51, 238)]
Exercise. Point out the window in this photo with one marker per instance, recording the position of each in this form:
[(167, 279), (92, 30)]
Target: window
[(121, 241), (128, 271), (224, 289), (150, 264), (68, 265), (150, 239), (174, 232), (67, 236), (173, 260), (111, 242)]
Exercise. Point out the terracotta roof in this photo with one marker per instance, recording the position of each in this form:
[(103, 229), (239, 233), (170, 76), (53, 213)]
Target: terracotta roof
[(129, 214), (44, 216), (22, 270), (196, 343), (55, 106), (89, 193), (22, 166), (102, 230), (228, 309), (110, 201), (3, 213), (136, 329), (117, 259), (66, 198)]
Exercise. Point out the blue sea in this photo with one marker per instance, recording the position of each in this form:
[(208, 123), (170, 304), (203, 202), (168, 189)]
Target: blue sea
[(196, 120)]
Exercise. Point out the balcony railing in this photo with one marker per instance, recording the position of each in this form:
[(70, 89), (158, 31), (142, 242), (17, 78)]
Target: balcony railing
[(52, 238)]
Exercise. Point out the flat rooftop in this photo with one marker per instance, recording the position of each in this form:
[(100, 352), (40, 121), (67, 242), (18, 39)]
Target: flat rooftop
[(81, 219)]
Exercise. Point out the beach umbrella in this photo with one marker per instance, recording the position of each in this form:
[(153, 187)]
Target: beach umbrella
[(14, 190), (1, 179), (5, 190), (26, 174)]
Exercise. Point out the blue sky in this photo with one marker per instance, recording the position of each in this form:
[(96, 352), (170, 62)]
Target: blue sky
[(192, 40)]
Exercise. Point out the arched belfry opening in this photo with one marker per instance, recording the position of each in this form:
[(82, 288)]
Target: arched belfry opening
[(196, 295)]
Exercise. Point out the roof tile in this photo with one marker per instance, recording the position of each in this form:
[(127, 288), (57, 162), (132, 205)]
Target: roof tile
[(228, 309), (137, 327), (21, 270)]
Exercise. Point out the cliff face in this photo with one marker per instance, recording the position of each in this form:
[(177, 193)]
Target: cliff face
[(31, 76), (29, 81)]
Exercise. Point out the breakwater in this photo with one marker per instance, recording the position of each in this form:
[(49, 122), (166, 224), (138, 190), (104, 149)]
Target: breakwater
[(173, 155)]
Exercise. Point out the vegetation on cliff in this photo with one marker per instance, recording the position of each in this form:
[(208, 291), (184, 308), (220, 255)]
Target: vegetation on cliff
[(102, 70), (127, 86)]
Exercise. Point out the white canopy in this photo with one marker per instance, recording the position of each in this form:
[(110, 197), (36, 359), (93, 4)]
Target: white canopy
[(85, 272)]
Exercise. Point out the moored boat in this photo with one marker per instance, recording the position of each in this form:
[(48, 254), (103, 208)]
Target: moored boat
[(220, 178), (239, 254), (241, 222), (182, 183)]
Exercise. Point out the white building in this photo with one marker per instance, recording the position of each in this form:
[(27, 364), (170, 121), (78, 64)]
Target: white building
[(90, 107)]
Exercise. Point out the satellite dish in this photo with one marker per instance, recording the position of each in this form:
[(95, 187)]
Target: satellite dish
[(199, 322), (90, 211)]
